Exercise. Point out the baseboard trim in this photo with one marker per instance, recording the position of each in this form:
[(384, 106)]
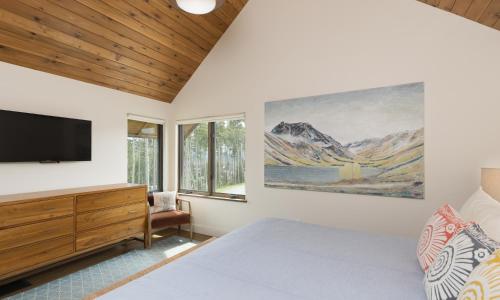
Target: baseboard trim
[(209, 230)]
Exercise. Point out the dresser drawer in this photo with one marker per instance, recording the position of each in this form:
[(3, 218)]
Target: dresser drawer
[(110, 233), (104, 217), (34, 254), (27, 234), (17, 214), (92, 202)]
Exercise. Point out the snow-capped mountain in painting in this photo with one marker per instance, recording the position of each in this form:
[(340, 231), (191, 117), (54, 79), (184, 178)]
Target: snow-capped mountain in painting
[(300, 156)]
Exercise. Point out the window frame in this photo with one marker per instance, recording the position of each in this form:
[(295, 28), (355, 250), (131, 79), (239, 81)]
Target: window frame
[(160, 128), (211, 193), (160, 159)]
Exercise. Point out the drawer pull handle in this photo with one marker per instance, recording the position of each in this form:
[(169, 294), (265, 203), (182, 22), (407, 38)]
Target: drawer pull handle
[(132, 212)]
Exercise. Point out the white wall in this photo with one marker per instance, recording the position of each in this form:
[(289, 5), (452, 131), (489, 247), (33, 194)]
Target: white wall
[(279, 49), (26, 90)]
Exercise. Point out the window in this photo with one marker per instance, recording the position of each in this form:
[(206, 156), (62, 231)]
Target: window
[(212, 158), (145, 154)]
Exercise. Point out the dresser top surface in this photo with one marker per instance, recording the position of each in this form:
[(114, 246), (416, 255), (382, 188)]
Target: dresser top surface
[(13, 198)]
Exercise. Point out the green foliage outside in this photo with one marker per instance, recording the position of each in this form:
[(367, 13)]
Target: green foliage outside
[(229, 157), (143, 164), (195, 159)]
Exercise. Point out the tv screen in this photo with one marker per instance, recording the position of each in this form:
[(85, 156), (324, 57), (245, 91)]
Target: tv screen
[(28, 137)]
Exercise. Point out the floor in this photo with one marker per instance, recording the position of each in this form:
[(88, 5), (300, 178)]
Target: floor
[(84, 270)]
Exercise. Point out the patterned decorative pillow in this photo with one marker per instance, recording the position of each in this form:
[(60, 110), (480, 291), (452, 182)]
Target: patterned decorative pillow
[(484, 281), (439, 229), (452, 267), (164, 201)]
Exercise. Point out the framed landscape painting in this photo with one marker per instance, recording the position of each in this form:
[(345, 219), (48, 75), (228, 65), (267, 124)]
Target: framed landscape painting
[(367, 142)]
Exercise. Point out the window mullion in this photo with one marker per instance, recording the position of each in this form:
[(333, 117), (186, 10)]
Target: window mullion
[(211, 157), (181, 157), (160, 157)]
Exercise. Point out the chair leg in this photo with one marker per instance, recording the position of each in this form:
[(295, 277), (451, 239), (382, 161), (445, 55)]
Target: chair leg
[(178, 229), (148, 233), (191, 231), (147, 239)]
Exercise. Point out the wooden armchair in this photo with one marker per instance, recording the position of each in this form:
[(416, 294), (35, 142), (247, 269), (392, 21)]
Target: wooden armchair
[(161, 220)]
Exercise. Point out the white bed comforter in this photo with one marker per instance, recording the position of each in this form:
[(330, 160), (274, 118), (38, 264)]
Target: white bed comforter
[(282, 259)]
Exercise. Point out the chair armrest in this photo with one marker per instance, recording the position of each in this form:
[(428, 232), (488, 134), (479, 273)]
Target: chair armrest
[(181, 205)]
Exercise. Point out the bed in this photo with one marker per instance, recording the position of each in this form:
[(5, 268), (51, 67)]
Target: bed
[(283, 259)]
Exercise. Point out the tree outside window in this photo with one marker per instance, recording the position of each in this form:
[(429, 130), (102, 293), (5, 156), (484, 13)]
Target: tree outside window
[(212, 158), (145, 153)]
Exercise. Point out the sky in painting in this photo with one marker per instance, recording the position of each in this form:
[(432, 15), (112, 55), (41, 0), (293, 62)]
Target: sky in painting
[(357, 115)]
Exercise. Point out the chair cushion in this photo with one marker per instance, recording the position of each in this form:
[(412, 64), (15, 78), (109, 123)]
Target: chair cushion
[(169, 218), (164, 201)]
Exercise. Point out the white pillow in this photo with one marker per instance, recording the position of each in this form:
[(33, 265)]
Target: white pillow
[(485, 211), (164, 201)]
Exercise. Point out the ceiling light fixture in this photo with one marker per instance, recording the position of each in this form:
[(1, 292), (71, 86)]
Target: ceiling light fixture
[(197, 7)]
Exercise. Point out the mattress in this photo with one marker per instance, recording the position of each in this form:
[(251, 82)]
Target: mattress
[(283, 259)]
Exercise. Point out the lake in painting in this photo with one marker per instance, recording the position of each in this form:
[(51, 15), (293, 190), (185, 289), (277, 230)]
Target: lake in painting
[(362, 142), (311, 175)]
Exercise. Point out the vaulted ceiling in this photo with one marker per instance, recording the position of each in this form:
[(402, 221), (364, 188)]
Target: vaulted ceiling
[(486, 12), (144, 47)]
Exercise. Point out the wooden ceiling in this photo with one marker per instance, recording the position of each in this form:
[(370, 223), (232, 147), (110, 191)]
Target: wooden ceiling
[(144, 47), (142, 129), (486, 12)]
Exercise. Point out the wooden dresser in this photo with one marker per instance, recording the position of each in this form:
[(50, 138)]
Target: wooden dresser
[(41, 229)]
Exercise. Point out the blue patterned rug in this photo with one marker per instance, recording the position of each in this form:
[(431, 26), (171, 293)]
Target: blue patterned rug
[(86, 281)]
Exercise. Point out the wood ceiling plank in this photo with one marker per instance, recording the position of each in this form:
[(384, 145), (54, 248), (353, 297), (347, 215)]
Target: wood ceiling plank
[(243, 2), (210, 22), (433, 2), (151, 26), (238, 5), (74, 40), (86, 22), (203, 23), (476, 9), (446, 4), (89, 57), (132, 23), (461, 6), (497, 24), (103, 37), (491, 14), (182, 20), (30, 10), (184, 62), (486, 12), (44, 50), (53, 67), (149, 10), (227, 13), (144, 47)]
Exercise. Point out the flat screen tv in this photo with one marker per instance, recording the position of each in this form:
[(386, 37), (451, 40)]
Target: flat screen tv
[(28, 137)]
